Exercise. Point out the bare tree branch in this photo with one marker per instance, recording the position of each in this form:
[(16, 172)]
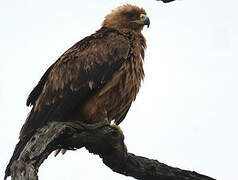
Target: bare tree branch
[(101, 139), (166, 1)]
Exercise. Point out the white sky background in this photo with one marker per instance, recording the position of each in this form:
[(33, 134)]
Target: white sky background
[(186, 114)]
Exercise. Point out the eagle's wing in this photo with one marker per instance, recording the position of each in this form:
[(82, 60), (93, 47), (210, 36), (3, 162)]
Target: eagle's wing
[(38, 89), (81, 71)]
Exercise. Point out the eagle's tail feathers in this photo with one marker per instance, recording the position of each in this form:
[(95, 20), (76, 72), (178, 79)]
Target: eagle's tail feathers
[(17, 151)]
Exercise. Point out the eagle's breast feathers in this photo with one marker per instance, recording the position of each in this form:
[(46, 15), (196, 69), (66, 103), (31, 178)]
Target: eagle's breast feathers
[(116, 96)]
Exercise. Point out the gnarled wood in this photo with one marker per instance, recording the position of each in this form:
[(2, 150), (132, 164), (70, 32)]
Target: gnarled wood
[(101, 139)]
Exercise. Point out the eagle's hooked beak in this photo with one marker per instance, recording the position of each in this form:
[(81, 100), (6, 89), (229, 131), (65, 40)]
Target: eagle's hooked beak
[(145, 20)]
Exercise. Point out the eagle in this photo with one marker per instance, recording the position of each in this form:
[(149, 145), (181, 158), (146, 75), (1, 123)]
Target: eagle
[(95, 80)]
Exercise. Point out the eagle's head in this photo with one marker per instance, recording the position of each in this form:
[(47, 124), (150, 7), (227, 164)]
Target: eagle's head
[(127, 17)]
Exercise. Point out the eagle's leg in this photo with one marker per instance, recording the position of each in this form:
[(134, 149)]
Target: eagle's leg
[(105, 115)]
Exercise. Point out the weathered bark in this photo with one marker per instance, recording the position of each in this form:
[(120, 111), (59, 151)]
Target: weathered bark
[(101, 139)]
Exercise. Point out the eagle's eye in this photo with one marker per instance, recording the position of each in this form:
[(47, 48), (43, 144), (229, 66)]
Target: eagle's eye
[(143, 17), (132, 16)]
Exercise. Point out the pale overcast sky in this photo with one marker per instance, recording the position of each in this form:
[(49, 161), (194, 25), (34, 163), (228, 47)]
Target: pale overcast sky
[(186, 114)]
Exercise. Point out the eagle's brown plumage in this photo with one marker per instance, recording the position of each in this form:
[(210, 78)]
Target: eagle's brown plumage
[(96, 79)]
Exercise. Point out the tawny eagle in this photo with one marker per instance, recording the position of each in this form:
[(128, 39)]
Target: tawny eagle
[(97, 79)]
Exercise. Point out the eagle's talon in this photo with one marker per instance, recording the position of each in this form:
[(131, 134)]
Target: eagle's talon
[(114, 126), (63, 151)]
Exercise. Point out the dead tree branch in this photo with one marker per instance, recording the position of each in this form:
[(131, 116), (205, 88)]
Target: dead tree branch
[(101, 139), (166, 1)]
